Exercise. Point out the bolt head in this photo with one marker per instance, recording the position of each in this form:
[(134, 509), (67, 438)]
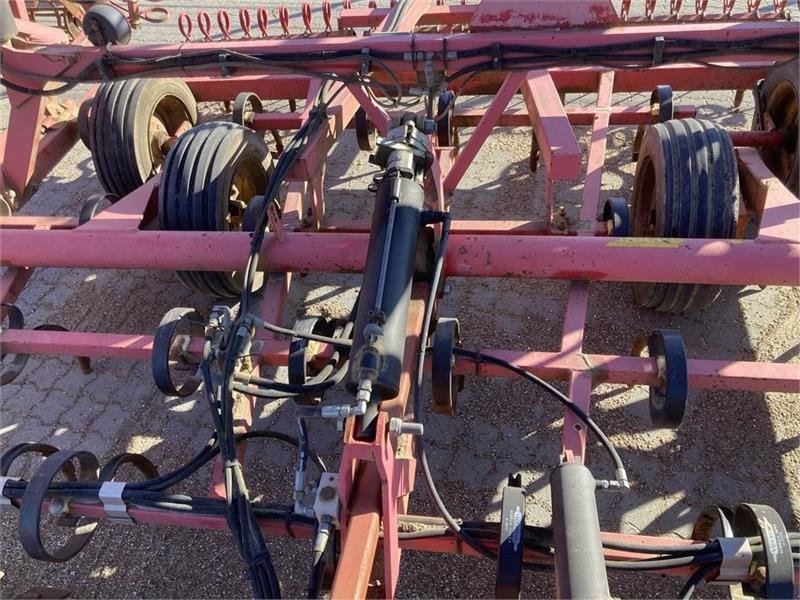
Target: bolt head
[(57, 507), (327, 493), (395, 425)]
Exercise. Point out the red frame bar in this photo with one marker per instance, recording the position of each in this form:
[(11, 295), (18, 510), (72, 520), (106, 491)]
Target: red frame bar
[(557, 143), (630, 370), (728, 262)]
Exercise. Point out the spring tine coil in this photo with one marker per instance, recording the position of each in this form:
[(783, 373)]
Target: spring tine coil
[(283, 18), (700, 7), (244, 23), (224, 22), (204, 24), (727, 7), (625, 10), (262, 16), (185, 26), (326, 15), (306, 12)]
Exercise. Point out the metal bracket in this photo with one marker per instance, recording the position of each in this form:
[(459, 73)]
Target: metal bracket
[(5, 503), (736, 558), (111, 496), (658, 50), (365, 62), (326, 504), (496, 60)]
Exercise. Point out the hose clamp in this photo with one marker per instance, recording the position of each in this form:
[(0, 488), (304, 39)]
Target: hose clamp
[(736, 558), (114, 506)]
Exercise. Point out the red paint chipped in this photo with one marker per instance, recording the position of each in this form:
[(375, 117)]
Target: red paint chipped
[(523, 14)]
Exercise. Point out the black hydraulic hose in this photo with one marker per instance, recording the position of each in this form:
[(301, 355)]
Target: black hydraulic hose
[(324, 383), (89, 489), (661, 563), (552, 391), (696, 548), (688, 589), (34, 92), (240, 516), (288, 157), (334, 341), (321, 382), (318, 568), (417, 398)]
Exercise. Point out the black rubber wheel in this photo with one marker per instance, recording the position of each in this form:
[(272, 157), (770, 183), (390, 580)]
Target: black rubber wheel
[(167, 359), (301, 353), (210, 176), (253, 211), (751, 520), (445, 130), (93, 205), (686, 186), (780, 94), (661, 103), (668, 400), (32, 517), (365, 131), (132, 124), (10, 370), (617, 217), (662, 109), (84, 115), (104, 24), (445, 384), (245, 107), (139, 461)]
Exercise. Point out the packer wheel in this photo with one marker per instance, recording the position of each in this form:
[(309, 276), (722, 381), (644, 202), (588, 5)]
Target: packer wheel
[(446, 132), (366, 134), (686, 186), (780, 93), (132, 125), (210, 176), (668, 399), (445, 384)]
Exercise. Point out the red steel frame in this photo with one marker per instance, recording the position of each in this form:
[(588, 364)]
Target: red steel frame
[(376, 478)]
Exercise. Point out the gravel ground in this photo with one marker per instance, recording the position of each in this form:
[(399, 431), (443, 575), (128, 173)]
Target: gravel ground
[(733, 446)]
